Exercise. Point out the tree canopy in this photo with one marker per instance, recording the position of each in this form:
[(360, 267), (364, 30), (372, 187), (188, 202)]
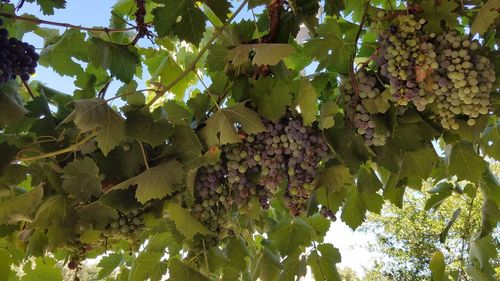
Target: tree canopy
[(239, 131)]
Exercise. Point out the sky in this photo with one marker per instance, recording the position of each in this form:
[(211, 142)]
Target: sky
[(352, 245)]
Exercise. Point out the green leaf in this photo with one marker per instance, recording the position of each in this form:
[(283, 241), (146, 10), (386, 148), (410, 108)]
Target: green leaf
[(238, 251), (435, 12), (185, 222), (269, 265), (307, 100), (187, 144), (221, 126), (141, 126), (180, 18), (120, 60), (322, 263), (485, 17), (96, 114), (319, 224), (7, 261), (263, 54), (293, 267), (156, 182), (444, 233), (145, 265), (48, 6), (480, 252), (332, 47), (335, 178), (271, 96), (180, 271), (437, 266), (490, 142), (287, 235), (163, 67), (81, 179), (418, 163), (59, 53), (221, 8), (108, 264), (394, 190), (367, 180), (55, 210), (45, 270), (178, 113), (464, 162), (96, 215), (11, 109), (379, 104), (327, 113), (356, 205), (22, 207)]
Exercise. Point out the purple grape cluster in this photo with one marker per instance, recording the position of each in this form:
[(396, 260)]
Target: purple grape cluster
[(286, 156), (17, 58)]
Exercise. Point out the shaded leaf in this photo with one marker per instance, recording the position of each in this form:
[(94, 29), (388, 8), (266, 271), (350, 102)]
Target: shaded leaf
[(81, 179), (185, 222), (22, 207)]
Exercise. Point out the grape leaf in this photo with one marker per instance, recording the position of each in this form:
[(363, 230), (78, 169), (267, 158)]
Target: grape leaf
[(146, 265), (90, 115), (490, 141), (379, 104), (269, 265), (435, 12), (22, 207), (45, 270), (328, 110), (81, 179), (238, 251), (163, 67), (485, 17), (264, 54), (178, 113), (156, 182), (307, 100), (180, 271), (7, 261), (335, 178), (221, 126), (437, 266), (367, 180), (221, 8), (272, 97), (418, 163), (59, 53), (55, 210), (480, 252), (356, 205), (320, 225), (444, 233), (185, 222), (141, 126), (293, 266), (322, 262), (288, 234), (11, 111), (47, 6), (464, 162), (96, 215), (121, 60), (180, 18), (108, 264), (187, 144), (332, 47)]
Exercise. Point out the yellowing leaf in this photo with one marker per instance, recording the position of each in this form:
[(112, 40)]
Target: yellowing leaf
[(185, 222), (221, 126), (485, 17), (156, 182), (265, 54), (328, 110), (307, 99), (379, 104)]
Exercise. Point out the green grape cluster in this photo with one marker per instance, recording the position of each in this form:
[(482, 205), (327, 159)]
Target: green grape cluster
[(406, 54), (462, 83), (362, 120), (126, 225)]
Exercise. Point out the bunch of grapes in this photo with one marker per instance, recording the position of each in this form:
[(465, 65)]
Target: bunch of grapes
[(369, 88), (405, 56), (462, 83), (287, 152), (126, 225), (17, 58), (212, 197)]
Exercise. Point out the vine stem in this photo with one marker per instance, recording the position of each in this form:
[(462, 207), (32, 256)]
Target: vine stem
[(68, 149), (144, 155), (28, 88), (63, 24), (192, 65)]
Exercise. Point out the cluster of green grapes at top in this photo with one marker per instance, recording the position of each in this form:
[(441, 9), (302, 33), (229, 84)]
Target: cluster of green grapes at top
[(447, 73), (17, 58), (126, 226), (285, 157), (362, 120)]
